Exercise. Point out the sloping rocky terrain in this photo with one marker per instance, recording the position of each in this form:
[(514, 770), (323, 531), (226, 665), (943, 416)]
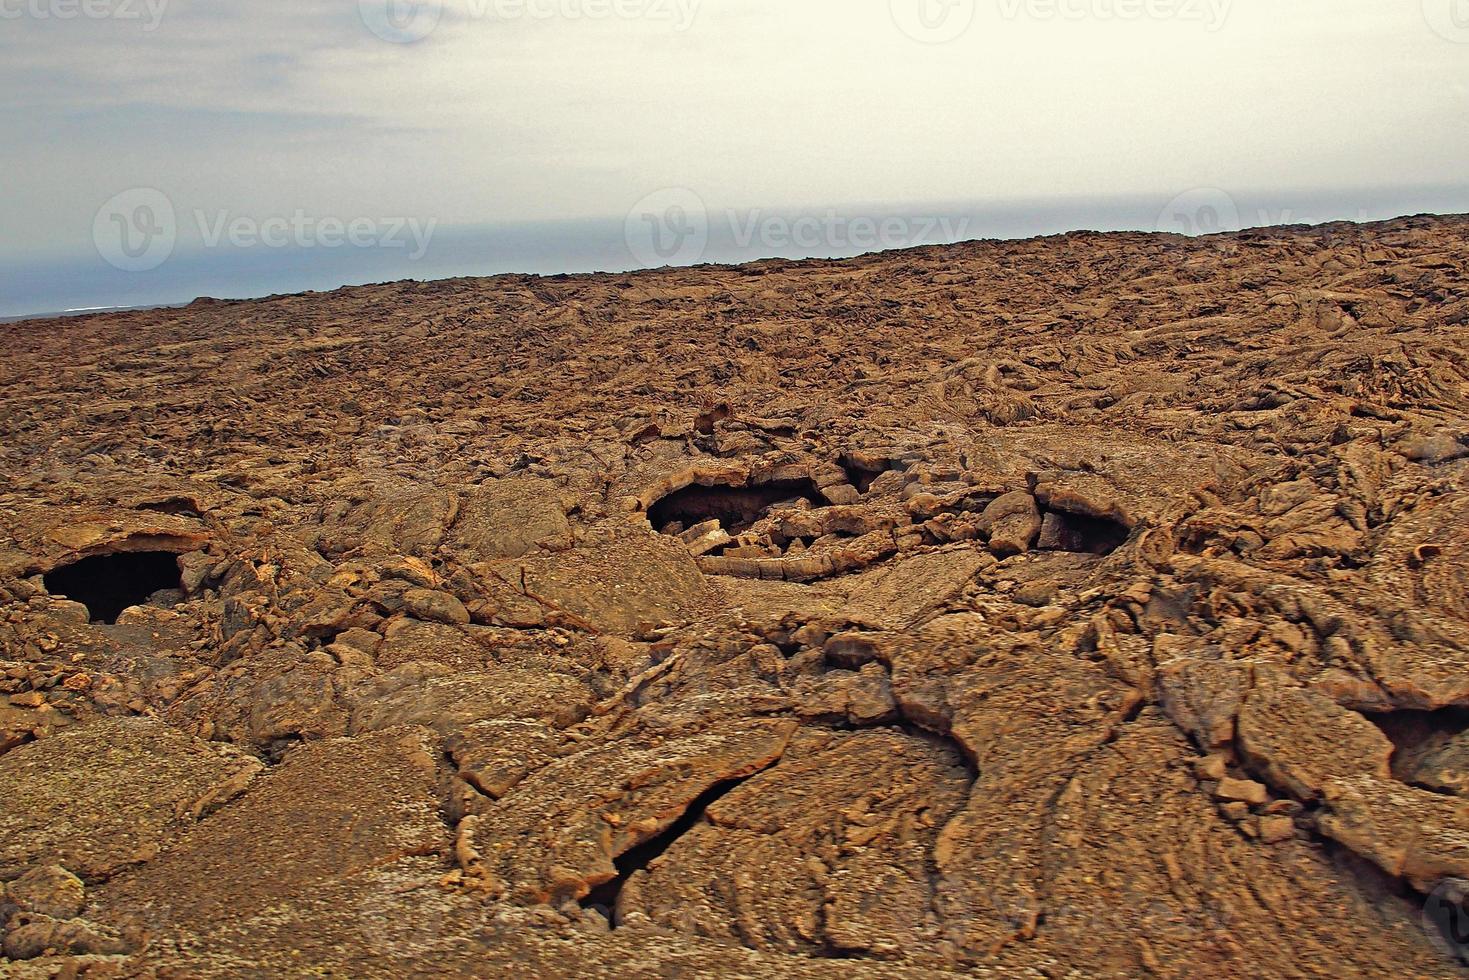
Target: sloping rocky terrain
[(1091, 605)]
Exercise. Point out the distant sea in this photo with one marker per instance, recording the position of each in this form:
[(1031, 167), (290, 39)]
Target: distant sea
[(85, 282)]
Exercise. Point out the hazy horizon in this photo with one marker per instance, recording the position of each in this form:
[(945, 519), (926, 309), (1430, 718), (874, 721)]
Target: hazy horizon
[(591, 246), (165, 149)]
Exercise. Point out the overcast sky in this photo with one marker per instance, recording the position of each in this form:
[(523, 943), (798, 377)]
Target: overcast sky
[(486, 111)]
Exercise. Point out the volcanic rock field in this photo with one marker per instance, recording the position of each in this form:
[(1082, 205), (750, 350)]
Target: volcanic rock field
[(1094, 605)]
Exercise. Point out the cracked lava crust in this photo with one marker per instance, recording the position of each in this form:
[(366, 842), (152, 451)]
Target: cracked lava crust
[(1092, 605)]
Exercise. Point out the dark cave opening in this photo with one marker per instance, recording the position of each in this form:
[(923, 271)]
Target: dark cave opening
[(861, 475), (603, 898), (1408, 729), (1063, 531), (1430, 748), (108, 584), (736, 508)]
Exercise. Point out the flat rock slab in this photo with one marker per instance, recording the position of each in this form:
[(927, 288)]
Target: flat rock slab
[(587, 587), (332, 809), (109, 795), (448, 702), (512, 517), (1299, 740)]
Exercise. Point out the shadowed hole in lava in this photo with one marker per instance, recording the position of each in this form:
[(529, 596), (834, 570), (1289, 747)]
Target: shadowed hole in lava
[(1089, 535), (108, 584), (862, 475), (185, 506), (603, 897), (1430, 749), (736, 508)]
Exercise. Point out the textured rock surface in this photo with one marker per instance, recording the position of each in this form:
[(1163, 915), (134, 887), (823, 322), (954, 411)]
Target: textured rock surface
[(1093, 605), (104, 797), (330, 810)]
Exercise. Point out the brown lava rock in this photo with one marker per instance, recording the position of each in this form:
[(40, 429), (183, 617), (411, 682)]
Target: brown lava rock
[(1093, 605)]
